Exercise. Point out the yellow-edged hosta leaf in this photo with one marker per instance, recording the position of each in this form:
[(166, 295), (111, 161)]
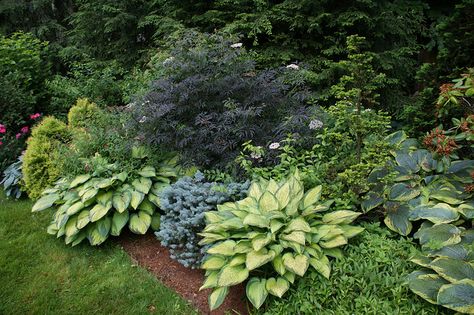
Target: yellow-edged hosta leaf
[(256, 259), (45, 202), (243, 247), (213, 262), (232, 275), (283, 195), (278, 286), (88, 194), (350, 230), (297, 264), (119, 220), (237, 260), (295, 236), (70, 228), (258, 220), (458, 296), (75, 208), (426, 285), (83, 219), (321, 265), (147, 206), (311, 197), (217, 297), (137, 198), (139, 222), (278, 265), (268, 202), (340, 217), (256, 291), (452, 269), (79, 180), (142, 184), (334, 242), (210, 281), (121, 200), (99, 211), (261, 241), (225, 248)]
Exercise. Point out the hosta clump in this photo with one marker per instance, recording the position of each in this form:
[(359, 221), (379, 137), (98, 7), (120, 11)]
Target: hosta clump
[(271, 236), (447, 277), (102, 203), (11, 179), (184, 204)]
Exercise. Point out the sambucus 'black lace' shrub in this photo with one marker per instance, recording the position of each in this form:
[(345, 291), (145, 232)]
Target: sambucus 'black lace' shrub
[(184, 204), (212, 99)]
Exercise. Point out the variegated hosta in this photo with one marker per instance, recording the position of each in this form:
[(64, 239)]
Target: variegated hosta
[(447, 277), (422, 189), (271, 236), (94, 206)]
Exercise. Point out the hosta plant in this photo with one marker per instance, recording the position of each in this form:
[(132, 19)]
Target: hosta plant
[(11, 179), (447, 277), (102, 203), (270, 237)]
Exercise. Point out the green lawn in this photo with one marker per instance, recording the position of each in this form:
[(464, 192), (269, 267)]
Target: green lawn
[(39, 274)]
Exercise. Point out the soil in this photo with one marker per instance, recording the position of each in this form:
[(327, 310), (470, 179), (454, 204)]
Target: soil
[(146, 251)]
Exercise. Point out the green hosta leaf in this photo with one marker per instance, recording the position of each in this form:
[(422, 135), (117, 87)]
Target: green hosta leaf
[(121, 200), (351, 231), (283, 195), (70, 229), (298, 224), (421, 260), (311, 197), (297, 264), (154, 199), (217, 297), (458, 296), (238, 260), (119, 220), (99, 211), (295, 236), (467, 210), (275, 225), (256, 259), (256, 291), (333, 252), (278, 265), (405, 160), (75, 208), (373, 201), (440, 213), (426, 285), (79, 180), (257, 220), (396, 138), (255, 190), (439, 235), (88, 194), (104, 197), (214, 262), (137, 198), (290, 276), (451, 196), (210, 281), (452, 269), (142, 184), (336, 241), (268, 202), (403, 192), (213, 216), (147, 171), (139, 222), (122, 176), (261, 241), (277, 287), (340, 217), (232, 275), (321, 265), (243, 247), (225, 248), (104, 183), (83, 219), (79, 238), (155, 221), (397, 217), (272, 186), (147, 206), (45, 202)]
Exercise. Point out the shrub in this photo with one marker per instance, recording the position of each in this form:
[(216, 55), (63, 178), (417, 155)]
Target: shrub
[(184, 204), (369, 279), (11, 179), (102, 202), (41, 163), (212, 99), (274, 234), (83, 114)]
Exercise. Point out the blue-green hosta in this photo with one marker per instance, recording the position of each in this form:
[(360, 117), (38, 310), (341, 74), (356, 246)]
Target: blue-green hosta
[(447, 277), (11, 179), (271, 236), (100, 204), (422, 188)]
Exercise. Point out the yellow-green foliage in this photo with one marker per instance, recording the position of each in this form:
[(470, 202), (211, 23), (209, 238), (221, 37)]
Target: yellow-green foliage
[(81, 114), (41, 162)]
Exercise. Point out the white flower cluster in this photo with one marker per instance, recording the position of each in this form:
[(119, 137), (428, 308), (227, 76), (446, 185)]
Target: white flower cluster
[(236, 45), (293, 66), (315, 124), (274, 145)]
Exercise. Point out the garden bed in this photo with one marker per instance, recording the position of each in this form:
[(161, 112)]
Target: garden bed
[(147, 252)]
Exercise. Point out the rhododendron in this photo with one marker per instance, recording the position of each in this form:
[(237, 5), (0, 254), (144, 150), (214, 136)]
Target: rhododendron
[(35, 116), (2, 128), (24, 129), (18, 135)]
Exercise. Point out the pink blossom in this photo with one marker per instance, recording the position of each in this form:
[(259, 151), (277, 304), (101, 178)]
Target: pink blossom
[(1, 143), (25, 129), (35, 116), (2, 128), (18, 135)]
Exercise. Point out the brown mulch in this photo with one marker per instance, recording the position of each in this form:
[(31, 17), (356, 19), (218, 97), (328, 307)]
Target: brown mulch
[(147, 252)]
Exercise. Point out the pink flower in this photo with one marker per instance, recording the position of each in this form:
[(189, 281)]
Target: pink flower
[(35, 116), (25, 129), (1, 143), (2, 128), (18, 135)]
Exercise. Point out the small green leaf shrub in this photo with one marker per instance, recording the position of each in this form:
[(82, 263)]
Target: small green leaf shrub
[(12, 177), (271, 236), (369, 279), (101, 203), (41, 162), (184, 205), (83, 114), (447, 277)]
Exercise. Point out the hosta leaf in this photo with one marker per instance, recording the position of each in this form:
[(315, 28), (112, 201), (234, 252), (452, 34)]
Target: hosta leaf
[(217, 297), (255, 190), (147, 171), (403, 192), (272, 186), (333, 252), (147, 206), (340, 217), (275, 225), (426, 285), (268, 202), (261, 241), (283, 195), (210, 281), (458, 296), (350, 230), (440, 213), (257, 220), (75, 208), (121, 200), (83, 219), (70, 228), (297, 264), (79, 180), (122, 176), (397, 217), (225, 248), (99, 211), (105, 182), (256, 259), (79, 238), (119, 220), (88, 194), (452, 269), (243, 247), (278, 265), (373, 200), (155, 221), (298, 224), (336, 241), (256, 291), (321, 265), (438, 236), (421, 260), (407, 161), (277, 287), (295, 236), (232, 275), (137, 198), (238, 260), (142, 184), (451, 196), (139, 222), (214, 262), (45, 202), (311, 197)]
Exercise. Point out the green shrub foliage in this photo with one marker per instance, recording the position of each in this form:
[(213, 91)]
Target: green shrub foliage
[(102, 202), (184, 205), (211, 100), (83, 114), (41, 163), (369, 279), (11, 179), (271, 236)]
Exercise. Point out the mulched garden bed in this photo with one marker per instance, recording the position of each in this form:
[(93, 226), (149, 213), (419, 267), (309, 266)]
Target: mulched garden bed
[(147, 252)]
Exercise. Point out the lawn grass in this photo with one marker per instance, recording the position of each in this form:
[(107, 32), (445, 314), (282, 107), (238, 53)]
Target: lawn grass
[(39, 274)]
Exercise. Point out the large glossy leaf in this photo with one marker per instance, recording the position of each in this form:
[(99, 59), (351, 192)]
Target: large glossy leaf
[(439, 213), (75, 208), (438, 236), (79, 180), (225, 248), (119, 220), (408, 162), (142, 184), (45, 202), (256, 291), (426, 285), (256, 259), (139, 222), (217, 297), (403, 192), (397, 217), (232, 275), (121, 200), (452, 269), (278, 286), (311, 197), (99, 211), (458, 296), (137, 198), (83, 219), (340, 217)]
